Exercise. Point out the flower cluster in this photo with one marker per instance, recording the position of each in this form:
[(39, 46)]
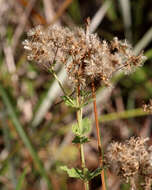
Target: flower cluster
[(86, 58), (131, 159)]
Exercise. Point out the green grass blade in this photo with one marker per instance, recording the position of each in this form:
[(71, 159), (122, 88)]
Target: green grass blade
[(123, 115), (21, 180), (23, 135)]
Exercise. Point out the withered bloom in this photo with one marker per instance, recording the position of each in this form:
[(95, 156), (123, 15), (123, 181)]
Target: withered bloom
[(86, 58), (131, 160)]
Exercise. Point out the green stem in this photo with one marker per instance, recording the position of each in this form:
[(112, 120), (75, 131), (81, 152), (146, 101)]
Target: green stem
[(58, 80), (79, 120), (60, 84)]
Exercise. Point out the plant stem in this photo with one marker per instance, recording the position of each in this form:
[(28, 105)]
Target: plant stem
[(58, 80), (79, 120), (98, 137), (60, 84)]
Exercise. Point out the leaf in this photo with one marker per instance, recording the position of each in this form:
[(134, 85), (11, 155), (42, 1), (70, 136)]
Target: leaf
[(85, 94), (76, 130), (80, 140), (21, 180), (86, 126), (73, 172), (69, 101), (93, 174), (85, 175), (86, 103)]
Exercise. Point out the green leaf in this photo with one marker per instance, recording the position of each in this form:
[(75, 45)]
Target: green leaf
[(76, 130), (69, 101), (85, 175), (86, 103), (80, 140), (73, 172), (85, 94), (21, 180), (93, 174), (86, 126)]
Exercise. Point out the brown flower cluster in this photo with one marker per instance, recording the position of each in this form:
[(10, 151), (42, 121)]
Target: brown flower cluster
[(131, 160), (86, 58)]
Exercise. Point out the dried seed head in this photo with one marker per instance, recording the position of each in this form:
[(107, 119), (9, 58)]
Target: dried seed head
[(43, 43), (131, 159), (86, 58)]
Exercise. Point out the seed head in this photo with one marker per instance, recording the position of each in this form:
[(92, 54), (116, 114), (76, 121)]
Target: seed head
[(131, 159), (87, 59)]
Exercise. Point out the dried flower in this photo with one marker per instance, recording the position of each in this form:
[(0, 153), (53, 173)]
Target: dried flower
[(91, 60), (43, 43), (131, 159)]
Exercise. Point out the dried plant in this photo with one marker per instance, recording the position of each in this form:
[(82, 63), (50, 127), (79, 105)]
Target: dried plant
[(132, 160), (89, 62), (91, 59)]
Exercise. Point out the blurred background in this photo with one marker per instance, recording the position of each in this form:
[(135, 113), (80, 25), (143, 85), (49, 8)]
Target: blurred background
[(33, 126)]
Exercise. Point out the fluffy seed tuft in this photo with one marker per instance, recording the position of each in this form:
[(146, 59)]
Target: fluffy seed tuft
[(91, 60), (131, 160)]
